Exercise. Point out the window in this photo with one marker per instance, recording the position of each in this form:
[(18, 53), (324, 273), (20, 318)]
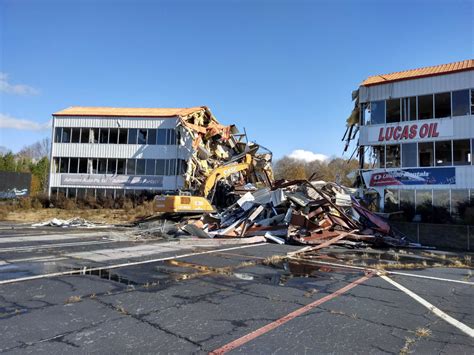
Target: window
[(82, 166), (364, 114), (150, 167), (66, 136), (379, 156), (425, 154), (183, 166), (92, 166), (142, 134), (161, 140), (56, 165), (443, 153), (73, 165), (71, 192), (132, 136), (407, 198), (441, 198), (81, 193), (111, 166), (472, 102), (409, 108), (171, 137), (122, 136), (94, 135), (121, 166), (377, 112), (459, 199), (392, 156), (140, 166), (171, 167), (151, 136), (160, 167), (393, 110), (113, 135), (425, 107), (424, 198), (85, 135), (104, 135), (462, 152), (63, 165), (131, 166), (443, 105), (460, 102), (391, 201), (75, 135), (102, 166), (409, 155), (57, 134)]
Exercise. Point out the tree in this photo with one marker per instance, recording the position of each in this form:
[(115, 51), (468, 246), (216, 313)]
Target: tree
[(36, 150)]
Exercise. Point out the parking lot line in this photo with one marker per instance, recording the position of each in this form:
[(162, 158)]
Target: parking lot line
[(461, 326), (265, 329)]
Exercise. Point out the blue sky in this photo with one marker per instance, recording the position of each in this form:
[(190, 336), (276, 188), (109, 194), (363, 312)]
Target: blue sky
[(284, 70)]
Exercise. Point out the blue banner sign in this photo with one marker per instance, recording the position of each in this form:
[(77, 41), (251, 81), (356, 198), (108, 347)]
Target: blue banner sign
[(418, 176)]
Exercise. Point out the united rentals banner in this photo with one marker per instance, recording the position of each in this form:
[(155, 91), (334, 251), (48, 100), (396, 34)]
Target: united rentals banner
[(418, 176), (116, 180)]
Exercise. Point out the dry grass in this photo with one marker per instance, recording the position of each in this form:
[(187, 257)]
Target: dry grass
[(406, 348), (121, 309), (73, 299), (423, 332), (273, 260)]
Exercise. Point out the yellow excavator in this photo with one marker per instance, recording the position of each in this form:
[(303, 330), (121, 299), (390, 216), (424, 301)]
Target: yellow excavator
[(198, 204)]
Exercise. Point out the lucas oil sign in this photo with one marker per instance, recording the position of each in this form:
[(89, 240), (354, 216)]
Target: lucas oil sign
[(411, 131), (419, 176)]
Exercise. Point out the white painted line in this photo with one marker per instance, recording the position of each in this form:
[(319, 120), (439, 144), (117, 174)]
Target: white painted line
[(38, 259), (117, 266), (48, 237), (461, 326), (57, 245), (385, 271)]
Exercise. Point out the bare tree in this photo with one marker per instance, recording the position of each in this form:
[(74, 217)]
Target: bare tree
[(37, 150)]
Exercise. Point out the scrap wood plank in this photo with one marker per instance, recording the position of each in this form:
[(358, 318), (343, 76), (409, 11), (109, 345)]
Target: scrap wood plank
[(331, 241)]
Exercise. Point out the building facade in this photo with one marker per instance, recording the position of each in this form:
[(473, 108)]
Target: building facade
[(417, 136), (113, 152)]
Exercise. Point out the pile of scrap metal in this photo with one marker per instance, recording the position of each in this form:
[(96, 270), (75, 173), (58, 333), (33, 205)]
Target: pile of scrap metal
[(212, 145), (304, 213)]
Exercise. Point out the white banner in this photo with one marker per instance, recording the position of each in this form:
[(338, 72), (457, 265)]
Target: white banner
[(408, 131)]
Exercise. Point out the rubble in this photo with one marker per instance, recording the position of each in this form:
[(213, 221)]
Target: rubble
[(75, 222), (303, 213)]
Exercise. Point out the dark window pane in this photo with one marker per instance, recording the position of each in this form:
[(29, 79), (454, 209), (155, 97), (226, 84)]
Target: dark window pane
[(441, 199), (443, 153), (56, 165), (425, 153), (151, 139), (82, 166), (131, 166), (140, 166), (460, 103), (409, 155), (409, 108), (121, 166), (425, 107), (393, 110), (172, 137), (443, 105), (113, 136), (63, 165), (123, 136), (66, 137), (92, 166), (392, 159), (104, 135), (424, 197), (150, 167), (160, 167), (94, 138), (183, 166), (102, 166), (391, 201), (377, 112), (161, 136), (132, 136), (57, 134), (462, 152), (379, 156), (75, 135), (71, 192), (459, 201), (85, 135), (81, 193), (142, 134), (472, 102), (111, 166)]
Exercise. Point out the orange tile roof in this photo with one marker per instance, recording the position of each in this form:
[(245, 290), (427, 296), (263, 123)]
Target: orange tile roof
[(420, 73), (127, 111)]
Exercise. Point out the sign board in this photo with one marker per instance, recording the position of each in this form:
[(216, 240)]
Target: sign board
[(417, 176), (401, 132), (13, 185), (111, 180)]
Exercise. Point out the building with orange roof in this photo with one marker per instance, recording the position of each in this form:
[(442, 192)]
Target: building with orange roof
[(416, 137)]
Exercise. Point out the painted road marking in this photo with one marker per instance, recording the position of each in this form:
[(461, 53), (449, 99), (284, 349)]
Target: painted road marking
[(59, 245), (48, 237), (265, 329), (461, 326)]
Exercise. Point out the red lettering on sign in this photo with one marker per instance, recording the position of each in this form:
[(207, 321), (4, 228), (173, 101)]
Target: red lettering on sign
[(388, 133), (434, 132), (424, 130), (396, 133), (413, 130), (404, 134), (381, 134)]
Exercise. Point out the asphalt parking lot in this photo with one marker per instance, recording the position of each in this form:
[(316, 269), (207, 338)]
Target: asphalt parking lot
[(221, 298)]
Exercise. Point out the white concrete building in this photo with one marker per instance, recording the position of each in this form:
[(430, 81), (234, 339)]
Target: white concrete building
[(101, 151), (417, 135)]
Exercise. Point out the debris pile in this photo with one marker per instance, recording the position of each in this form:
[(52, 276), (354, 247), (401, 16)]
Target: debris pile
[(300, 212), (212, 145), (75, 222)]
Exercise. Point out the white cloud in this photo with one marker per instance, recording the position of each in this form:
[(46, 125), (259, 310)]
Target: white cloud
[(307, 155), (16, 89), (7, 121)]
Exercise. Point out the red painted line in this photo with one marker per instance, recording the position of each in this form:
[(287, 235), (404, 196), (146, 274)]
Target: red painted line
[(266, 328)]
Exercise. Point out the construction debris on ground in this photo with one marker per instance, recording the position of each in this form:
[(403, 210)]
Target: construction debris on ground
[(300, 212)]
